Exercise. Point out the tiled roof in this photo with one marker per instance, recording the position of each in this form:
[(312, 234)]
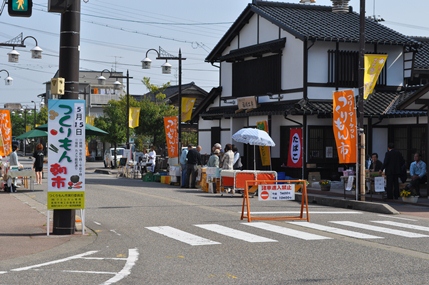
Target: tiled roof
[(313, 22), (379, 104), (422, 56)]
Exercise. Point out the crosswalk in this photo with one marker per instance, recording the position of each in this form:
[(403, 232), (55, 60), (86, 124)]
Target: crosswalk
[(370, 230)]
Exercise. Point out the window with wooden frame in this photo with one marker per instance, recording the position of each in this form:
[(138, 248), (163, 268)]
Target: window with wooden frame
[(343, 69), (321, 144), (257, 76)]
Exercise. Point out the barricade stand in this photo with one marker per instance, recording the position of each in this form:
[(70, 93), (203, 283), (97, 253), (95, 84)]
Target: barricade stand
[(280, 191)]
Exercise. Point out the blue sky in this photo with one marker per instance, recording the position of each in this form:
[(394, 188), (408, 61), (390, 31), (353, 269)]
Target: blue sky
[(117, 34)]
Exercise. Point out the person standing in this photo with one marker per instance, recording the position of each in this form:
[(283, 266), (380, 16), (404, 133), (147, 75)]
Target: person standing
[(183, 161), (418, 173), (228, 157), (237, 165), (38, 163), (151, 163), (214, 159), (392, 165), (194, 159)]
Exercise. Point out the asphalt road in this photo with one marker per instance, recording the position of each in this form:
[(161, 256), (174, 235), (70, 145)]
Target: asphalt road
[(152, 233)]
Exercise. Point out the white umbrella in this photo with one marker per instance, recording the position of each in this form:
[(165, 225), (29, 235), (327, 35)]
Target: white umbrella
[(253, 137)]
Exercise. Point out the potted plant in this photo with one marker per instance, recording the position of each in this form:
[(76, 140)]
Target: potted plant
[(408, 196), (325, 185)]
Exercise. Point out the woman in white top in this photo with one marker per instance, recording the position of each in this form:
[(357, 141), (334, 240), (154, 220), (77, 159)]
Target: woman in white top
[(151, 160)]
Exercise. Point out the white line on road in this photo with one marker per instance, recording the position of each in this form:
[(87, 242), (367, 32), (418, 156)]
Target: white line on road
[(380, 229), (133, 256), (399, 218), (234, 233), (97, 223), (114, 231), (56, 261), (334, 230), (286, 231), (402, 225), (182, 236)]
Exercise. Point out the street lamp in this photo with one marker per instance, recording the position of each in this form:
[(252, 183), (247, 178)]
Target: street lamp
[(8, 80), (166, 69), (117, 85), (25, 111), (18, 41), (341, 6), (35, 114)]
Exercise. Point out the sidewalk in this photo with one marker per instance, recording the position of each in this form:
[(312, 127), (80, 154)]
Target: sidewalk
[(23, 222)]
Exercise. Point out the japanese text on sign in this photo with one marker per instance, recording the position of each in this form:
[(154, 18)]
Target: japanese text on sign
[(276, 192)]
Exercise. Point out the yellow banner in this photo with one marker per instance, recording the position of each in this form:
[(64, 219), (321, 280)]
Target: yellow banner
[(90, 120), (133, 120), (264, 150), (374, 63), (187, 106)]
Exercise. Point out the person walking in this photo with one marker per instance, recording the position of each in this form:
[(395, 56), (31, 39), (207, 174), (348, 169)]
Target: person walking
[(194, 160), (237, 165), (183, 161), (39, 157), (392, 165), (418, 173)]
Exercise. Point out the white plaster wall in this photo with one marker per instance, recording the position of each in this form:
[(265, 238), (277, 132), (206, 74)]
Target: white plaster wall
[(248, 34), (204, 140), (207, 124), (267, 31), (379, 142), (226, 78), (394, 64), (292, 62)]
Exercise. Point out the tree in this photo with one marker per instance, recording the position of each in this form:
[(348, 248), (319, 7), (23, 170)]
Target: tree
[(151, 121)]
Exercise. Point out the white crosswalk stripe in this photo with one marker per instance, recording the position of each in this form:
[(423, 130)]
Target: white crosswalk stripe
[(380, 229), (286, 231), (194, 240), (234, 233), (182, 236), (335, 230), (402, 225)]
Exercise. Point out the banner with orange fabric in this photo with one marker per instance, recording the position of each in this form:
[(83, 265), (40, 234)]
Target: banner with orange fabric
[(345, 125), (374, 63), (264, 150), (171, 136), (5, 133), (187, 106), (295, 148), (133, 119)]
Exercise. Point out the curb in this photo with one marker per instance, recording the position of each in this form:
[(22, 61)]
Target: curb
[(348, 204)]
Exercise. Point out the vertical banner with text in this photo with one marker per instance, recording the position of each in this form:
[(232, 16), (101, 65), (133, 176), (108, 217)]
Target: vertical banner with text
[(345, 125), (295, 148), (5, 133), (264, 150), (187, 106), (171, 136), (66, 154)]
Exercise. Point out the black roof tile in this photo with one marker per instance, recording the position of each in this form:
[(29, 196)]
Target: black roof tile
[(313, 22), (422, 56)]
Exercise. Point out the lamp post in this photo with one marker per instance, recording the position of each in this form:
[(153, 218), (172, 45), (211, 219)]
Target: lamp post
[(166, 69), (34, 115), (8, 80), (102, 80), (341, 6), (18, 41), (25, 111)]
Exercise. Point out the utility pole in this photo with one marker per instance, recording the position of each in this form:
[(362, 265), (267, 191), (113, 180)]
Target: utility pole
[(64, 220)]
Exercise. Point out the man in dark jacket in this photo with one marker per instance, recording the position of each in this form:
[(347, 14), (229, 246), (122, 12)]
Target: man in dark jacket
[(393, 161), (194, 159)]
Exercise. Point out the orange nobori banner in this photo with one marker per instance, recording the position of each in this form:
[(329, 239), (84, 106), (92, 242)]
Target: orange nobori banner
[(171, 136), (5, 133), (344, 125)]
